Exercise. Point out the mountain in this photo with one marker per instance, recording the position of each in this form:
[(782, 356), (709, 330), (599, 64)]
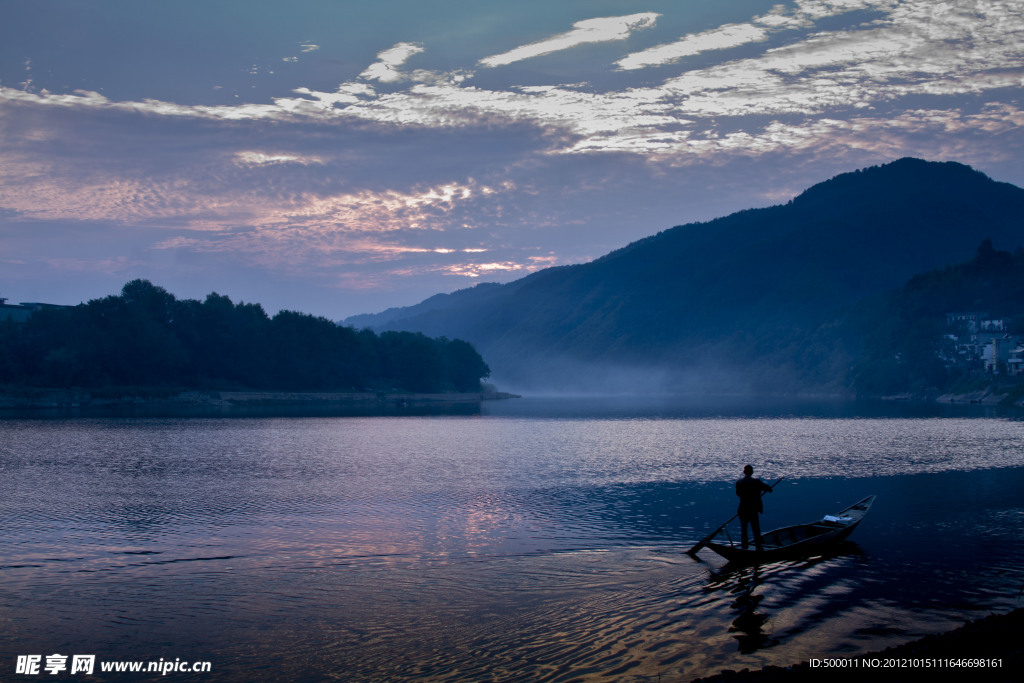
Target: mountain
[(740, 302)]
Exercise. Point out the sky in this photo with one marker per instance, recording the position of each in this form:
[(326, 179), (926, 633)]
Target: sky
[(338, 157)]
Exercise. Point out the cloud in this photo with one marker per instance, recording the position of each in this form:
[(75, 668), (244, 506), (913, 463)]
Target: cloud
[(721, 38), (779, 96), (304, 230), (109, 266), (303, 47), (932, 133), (272, 189), (251, 158), (385, 69), (758, 30), (39, 191), (922, 48), (475, 270), (902, 50), (587, 31)]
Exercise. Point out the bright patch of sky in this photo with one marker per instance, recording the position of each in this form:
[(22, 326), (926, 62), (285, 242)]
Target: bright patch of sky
[(396, 149)]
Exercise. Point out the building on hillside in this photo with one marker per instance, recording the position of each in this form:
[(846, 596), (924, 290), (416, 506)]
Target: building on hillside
[(995, 353), (1015, 362), (965, 323), (975, 340)]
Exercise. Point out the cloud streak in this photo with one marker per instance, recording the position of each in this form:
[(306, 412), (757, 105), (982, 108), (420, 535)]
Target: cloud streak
[(721, 38), (598, 30)]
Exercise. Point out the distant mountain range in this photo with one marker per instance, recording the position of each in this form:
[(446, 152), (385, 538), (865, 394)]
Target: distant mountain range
[(750, 301)]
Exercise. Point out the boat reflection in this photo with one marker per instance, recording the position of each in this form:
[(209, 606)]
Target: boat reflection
[(739, 583)]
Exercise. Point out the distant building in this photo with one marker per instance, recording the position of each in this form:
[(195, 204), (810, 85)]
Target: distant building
[(965, 323), (1015, 362), (19, 313), (974, 340), (995, 353)]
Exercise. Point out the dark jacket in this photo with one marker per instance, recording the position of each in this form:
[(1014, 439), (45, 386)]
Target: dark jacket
[(749, 490)]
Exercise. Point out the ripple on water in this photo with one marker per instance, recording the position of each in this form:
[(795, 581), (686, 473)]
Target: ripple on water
[(497, 548)]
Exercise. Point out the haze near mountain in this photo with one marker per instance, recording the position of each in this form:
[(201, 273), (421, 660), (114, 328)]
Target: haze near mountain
[(751, 301)]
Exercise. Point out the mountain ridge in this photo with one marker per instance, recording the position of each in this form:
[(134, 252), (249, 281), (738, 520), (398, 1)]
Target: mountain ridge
[(729, 294)]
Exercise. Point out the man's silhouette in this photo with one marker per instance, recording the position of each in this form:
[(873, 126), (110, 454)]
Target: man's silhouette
[(749, 490)]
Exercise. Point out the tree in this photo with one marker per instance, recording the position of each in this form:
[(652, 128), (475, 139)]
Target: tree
[(463, 365), (145, 337)]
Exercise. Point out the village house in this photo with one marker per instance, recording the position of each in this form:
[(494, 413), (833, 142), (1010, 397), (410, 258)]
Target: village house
[(978, 341), (1015, 360)]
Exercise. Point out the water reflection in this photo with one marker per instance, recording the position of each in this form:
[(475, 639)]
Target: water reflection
[(816, 579), (491, 548), (749, 623)]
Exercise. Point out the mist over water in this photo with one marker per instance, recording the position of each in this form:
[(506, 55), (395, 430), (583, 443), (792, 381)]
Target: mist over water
[(540, 539), (553, 374)]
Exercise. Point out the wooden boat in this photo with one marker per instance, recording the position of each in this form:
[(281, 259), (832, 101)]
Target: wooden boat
[(801, 539)]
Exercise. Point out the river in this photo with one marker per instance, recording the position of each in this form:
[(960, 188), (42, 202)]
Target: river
[(534, 539)]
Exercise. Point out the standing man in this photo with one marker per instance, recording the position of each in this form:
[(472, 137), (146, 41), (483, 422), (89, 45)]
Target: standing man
[(749, 491)]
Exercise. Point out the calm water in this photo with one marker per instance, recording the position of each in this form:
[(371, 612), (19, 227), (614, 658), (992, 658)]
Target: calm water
[(537, 540)]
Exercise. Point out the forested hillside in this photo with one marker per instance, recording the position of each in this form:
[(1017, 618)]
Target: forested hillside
[(745, 302), (147, 337), (908, 344)]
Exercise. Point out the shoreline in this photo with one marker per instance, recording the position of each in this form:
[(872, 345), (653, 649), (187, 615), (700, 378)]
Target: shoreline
[(986, 397), (18, 398), (994, 637), (152, 400)]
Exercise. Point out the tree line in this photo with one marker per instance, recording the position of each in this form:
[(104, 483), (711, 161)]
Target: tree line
[(145, 337)]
